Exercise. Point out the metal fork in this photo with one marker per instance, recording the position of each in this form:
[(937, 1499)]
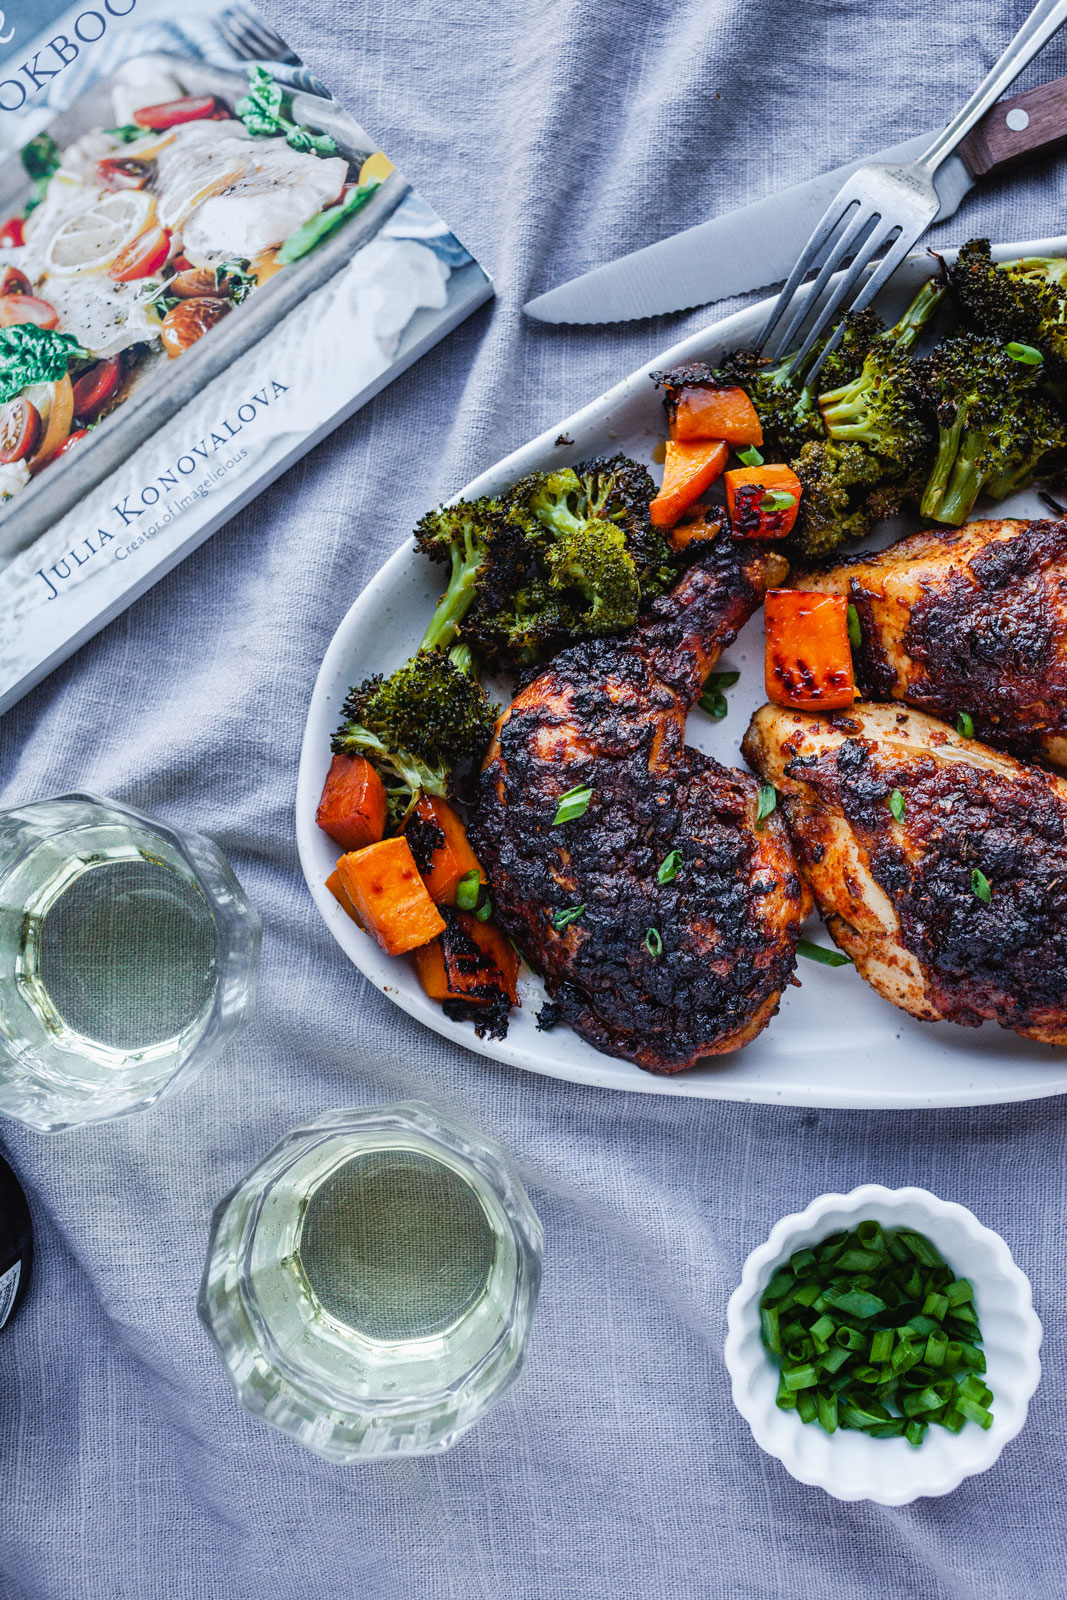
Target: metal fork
[(887, 208)]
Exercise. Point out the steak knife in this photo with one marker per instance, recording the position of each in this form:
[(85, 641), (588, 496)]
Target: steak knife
[(758, 244)]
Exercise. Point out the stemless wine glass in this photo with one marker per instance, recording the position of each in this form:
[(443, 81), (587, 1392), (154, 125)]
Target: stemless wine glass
[(371, 1284), (128, 956)]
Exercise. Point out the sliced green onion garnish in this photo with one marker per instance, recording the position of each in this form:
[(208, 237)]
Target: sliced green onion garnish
[(468, 889), (980, 886), (1024, 353), (563, 919), (669, 867), (768, 799), (859, 1327), (777, 500), (573, 804), (965, 725), (896, 805), (855, 632), (654, 942), (750, 456), (819, 952)]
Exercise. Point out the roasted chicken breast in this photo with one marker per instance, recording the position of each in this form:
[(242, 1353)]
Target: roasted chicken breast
[(971, 619), (951, 899), (664, 917)]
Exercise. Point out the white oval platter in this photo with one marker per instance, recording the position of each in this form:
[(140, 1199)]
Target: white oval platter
[(834, 1041)]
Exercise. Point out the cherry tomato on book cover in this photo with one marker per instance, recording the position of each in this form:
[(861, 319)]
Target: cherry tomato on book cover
[(13, 233), (20, 430), (12, 281), (71, 439), (172, 113), (96, 388), (142, 257), (26, 308), (186, 322), (55, 401)]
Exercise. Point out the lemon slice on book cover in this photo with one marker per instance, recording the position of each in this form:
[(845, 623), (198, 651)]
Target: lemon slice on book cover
[(90, 240)]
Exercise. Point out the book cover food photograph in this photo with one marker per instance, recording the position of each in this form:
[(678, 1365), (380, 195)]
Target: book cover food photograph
[(533, 926), (205, 263)]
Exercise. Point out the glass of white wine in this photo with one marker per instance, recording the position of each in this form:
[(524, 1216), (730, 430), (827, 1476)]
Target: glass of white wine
[(128, 958), (370, 1286)]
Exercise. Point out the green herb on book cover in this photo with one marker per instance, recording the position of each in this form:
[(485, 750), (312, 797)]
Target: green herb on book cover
[(29, 354), (263, 110)]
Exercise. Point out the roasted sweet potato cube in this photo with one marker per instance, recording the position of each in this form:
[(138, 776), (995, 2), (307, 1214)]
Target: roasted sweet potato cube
[(702, 412), (471, 961), (808, 663), (441, 848), (353, 805), (389, 897), (689, 467), (763, 501)]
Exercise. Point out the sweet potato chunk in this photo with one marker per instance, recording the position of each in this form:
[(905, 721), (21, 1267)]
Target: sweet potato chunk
[(689, 467), (441, 848), (353, 805), (705, 413), (390, 899), (340, 894), (703, 524), (470, 961), (763, 501), (808, 663)]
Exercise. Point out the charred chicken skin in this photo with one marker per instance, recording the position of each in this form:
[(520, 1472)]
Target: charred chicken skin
[(664, 918), (971, 619), (952, 898)]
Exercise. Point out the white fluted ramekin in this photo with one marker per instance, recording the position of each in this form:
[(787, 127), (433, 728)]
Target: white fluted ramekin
[(848, 1464)]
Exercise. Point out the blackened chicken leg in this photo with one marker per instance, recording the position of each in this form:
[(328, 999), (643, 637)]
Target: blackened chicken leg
[(664, 918)]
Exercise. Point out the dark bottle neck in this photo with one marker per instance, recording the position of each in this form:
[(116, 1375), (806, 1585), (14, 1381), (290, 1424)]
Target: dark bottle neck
[(16, 1244)]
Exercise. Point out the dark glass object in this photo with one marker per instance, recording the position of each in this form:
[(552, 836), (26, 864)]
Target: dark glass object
[(16, 1244)]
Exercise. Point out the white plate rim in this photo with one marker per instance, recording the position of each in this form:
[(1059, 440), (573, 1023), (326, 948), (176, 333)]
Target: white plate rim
[(396, 980)]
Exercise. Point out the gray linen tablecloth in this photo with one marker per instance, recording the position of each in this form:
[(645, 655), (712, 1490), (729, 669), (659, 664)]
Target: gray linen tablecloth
[(552, 136)]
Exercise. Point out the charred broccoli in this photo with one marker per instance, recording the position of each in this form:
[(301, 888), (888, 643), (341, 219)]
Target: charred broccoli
[(488, 556), (782, 398), (415, 725), (588, 557), (995, 426), (1024, 301), (878, 408), (846, 490)]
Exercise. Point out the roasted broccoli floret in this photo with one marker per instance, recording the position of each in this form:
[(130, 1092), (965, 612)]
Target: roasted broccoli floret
[(431, 712), (533, 625), (488, 556), (587, 558), (846, 490), (415, 725), (878, 408), (1023, 301), (614, 490), (782, 398), (994, 424)]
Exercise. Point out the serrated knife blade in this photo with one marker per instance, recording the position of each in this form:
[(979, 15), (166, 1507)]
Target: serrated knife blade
[(746, 249)]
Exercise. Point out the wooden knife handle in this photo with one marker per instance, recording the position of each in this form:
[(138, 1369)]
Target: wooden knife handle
[(1029, 124)]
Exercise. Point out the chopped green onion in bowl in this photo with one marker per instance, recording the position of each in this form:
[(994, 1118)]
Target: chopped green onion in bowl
[(872, 1330)]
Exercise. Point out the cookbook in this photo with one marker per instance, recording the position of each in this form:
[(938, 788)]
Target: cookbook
[(205, 265)]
